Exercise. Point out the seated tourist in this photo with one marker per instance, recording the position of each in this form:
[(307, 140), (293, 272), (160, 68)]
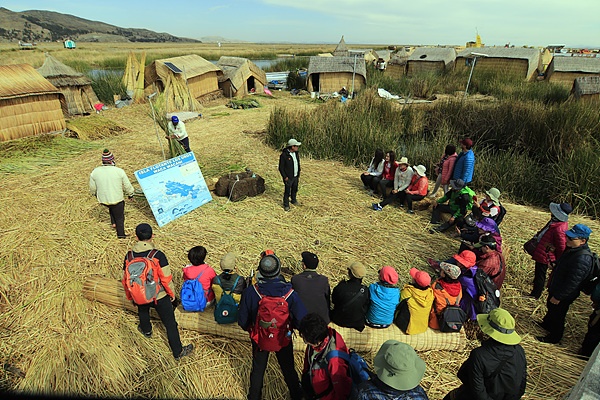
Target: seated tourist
[(384, 296)]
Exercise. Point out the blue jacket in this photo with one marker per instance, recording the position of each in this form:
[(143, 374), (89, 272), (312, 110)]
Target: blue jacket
[(384, 300), (269, 287), (464, 166)]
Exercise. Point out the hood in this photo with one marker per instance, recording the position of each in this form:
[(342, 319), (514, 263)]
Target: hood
[(452, 288), (423, 297)]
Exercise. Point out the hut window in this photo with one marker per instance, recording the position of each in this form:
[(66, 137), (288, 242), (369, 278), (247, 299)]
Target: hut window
[(423, 56)]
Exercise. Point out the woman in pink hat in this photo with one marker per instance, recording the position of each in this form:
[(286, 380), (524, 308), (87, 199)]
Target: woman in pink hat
[(385, 296), (416, 299)]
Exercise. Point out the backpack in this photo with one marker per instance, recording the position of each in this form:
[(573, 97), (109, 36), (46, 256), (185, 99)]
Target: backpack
[(452, 318), (193, 297), (488, 295), (142, 278), (590, 283), (271, 330), (357, 366), (226, 309)]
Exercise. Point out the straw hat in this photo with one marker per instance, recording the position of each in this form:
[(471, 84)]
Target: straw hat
[(500, 326), (397, 365), (403, 160)]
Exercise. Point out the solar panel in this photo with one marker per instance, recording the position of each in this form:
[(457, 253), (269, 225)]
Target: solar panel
[(173, 68)]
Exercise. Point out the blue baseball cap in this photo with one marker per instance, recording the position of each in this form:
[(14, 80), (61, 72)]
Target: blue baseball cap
[(174, 119), (579, 231)]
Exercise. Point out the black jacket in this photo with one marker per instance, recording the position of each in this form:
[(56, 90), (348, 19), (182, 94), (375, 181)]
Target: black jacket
[(572, 268), (477, 373), (286, 164), (346, 314), (314, 292)]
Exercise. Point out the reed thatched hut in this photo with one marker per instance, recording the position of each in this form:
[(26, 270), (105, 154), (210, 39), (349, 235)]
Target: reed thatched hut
[(587, 88), (564, 69), (330, 74), (240, 77), (430, 60), (396, 67), (521, 62), (341, 49), (76, 87), (183, 79), (29, 104)]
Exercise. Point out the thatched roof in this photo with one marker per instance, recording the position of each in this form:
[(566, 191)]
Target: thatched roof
[(384, 54), (62, 75), (576, 64), (433, 54), (586, 85), (399, 58), (317, 65), (191, 66), (20, 80), (341, 49), (238, 69)]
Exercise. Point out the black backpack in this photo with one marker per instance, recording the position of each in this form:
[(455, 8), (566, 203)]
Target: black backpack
[(593, 278), (488, 295), (452, 318)]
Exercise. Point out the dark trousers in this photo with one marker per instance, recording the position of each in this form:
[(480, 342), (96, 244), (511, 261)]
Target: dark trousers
[(369, 181), (436, 217), (164, 308), (592, 337), (186, 144), (285, 358), (383, 185), (460, 393), (393, 197), (291, 189), (554, 321), (410, 198), (117, 217), (539, 279)]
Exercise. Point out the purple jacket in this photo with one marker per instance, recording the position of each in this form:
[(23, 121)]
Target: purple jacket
[(469, 290)]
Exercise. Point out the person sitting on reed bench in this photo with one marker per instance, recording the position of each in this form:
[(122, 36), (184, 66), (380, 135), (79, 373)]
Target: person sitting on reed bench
[(460, 202), (415, 191), (224, 282), (350, 299), (446, 290), (198, 269), (375, 169), (386, 178), (312, 287), (385, 296), (413, 316)]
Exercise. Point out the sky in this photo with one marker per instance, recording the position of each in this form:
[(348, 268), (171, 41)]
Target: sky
[(574, 23)]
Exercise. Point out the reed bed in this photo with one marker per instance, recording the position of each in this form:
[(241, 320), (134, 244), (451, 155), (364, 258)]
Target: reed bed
[(52, 239)]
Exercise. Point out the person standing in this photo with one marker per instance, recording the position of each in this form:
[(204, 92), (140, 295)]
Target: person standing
[(144, 247), (271, 285), (464, 165), (592, 337), (177, 131), (289, 168), (444, 170), (313, 287), (571, 270), (350, 299), (551, 243), (498, 368), (110, 184), (398, 370)]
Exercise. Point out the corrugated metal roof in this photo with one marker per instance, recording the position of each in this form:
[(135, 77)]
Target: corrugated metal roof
[(577, 64), (432, 54), (19, 80), (318, 64)]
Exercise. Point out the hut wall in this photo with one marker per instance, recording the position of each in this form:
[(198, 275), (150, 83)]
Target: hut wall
[(334, 81), (29, 116), (424, 67), (80, 99), (504, 66), (203, 84), (566, 79), (227, 88), (395, 70)]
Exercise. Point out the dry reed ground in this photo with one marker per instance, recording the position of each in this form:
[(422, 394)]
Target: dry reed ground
[(54, 235)]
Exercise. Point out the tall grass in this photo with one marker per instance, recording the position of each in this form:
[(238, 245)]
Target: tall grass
[(106, 84), (288, 64), (532, 151)]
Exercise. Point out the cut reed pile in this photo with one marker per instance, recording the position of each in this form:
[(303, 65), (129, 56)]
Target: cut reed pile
[(53, 236), (94, 127)]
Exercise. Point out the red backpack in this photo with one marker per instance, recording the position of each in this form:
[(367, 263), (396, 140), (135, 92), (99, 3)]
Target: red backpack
[(271, 330), (143, 278)]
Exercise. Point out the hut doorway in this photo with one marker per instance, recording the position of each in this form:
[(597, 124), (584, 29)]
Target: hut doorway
[(314, 80), (250, 84)]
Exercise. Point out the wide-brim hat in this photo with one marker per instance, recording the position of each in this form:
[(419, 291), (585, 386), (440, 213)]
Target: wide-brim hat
[(500, 326), (398, 365), (561, 211), (494, 195), (420, 169), (487, 224), (421, 278), (403, 160)]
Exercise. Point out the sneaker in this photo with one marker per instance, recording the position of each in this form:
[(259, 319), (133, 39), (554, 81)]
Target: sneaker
[(286, 208), (401, 205), (186, 351), (146, 334), (376, 207), (410, 211)]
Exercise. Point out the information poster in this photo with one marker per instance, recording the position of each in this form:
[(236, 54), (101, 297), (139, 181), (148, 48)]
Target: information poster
[(173, 187)]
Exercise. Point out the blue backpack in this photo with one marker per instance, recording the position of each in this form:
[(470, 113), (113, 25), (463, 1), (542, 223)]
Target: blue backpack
[(226, 309), (193, 297), (359, 370)]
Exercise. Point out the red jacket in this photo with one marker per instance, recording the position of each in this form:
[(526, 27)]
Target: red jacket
[(491, 263), (192, 271), (337, 374), (418, 185), (555, 237), (389, 171)]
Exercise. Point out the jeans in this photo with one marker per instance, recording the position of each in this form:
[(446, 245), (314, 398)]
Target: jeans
[(291, 189), (164, 308), (117, 217), (412, 197), (285, 358), (539, 279), (383, 185)]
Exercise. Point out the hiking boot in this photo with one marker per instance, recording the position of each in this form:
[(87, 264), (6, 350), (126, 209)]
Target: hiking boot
[(295, 203), (146, 334), (185, 351), (286, 208), (376, 207)]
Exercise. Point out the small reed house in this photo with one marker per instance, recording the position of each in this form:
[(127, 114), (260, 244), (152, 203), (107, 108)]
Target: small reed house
[(565, 69), (330, 74), (587, 88), (240, 77), (426, 60), (524, 63)]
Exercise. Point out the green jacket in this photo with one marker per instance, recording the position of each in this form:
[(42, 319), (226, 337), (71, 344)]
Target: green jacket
[(460, 202)]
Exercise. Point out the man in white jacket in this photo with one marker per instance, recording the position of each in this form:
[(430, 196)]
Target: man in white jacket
[(110, 185), (177, 131)]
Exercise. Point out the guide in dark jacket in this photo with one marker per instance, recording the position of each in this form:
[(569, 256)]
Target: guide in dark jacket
[(350, 299), (497, 370), (312, 287)]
